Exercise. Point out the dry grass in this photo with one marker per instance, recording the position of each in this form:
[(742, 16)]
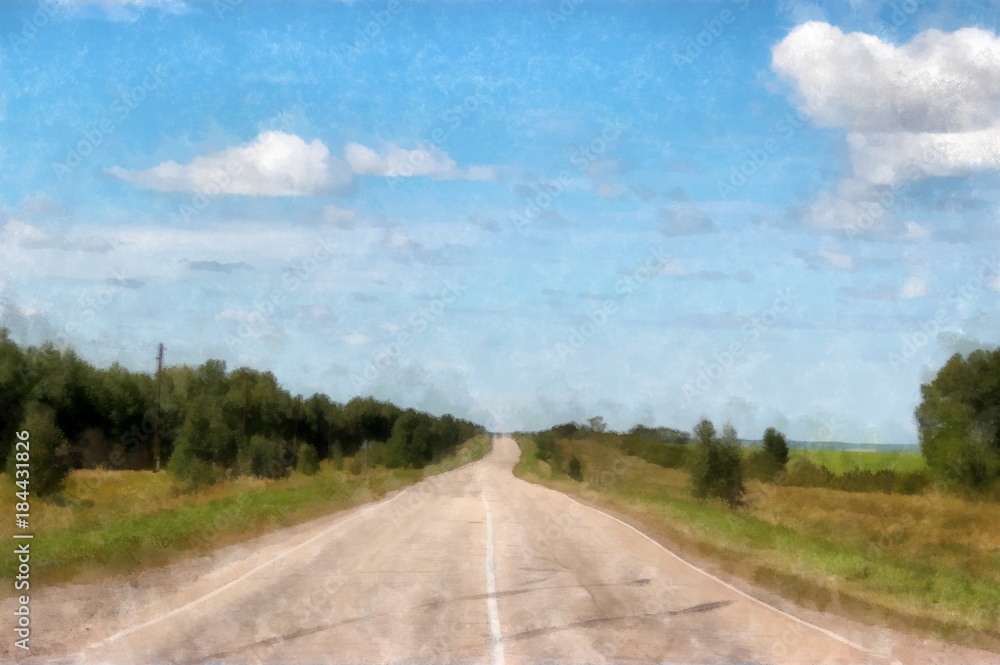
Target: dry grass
[(928, 564), (106, 522)]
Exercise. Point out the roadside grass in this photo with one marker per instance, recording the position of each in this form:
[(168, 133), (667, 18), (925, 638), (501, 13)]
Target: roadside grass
[(928, 563), (109, 522), (842, 461)]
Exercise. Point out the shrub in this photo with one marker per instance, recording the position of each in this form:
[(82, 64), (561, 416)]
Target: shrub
[(803, 473), (265, 458), (575, 468), (761, 465), (717, 469), (337, 458), (48, 453), (357, 465), (200, 474), (547, 450), (308, 460)]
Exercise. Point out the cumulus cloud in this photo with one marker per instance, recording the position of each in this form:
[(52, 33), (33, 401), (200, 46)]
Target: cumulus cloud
[(393, 161), (273, 164), (929, 108), (938, 82), (29, 237)]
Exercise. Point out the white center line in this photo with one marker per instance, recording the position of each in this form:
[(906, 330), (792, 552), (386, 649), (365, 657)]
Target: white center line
[(492, 608)]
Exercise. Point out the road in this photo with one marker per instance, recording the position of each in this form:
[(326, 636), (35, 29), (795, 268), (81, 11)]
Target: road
[(472, 566)]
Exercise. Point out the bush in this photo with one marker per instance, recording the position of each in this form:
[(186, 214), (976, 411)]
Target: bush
[(337, 458), (717, 469), (761, 465), (357, 465), (308, 460), (575, 469), (48, 453), (547, 450), (803, 473), (199, 474), (265, 458)]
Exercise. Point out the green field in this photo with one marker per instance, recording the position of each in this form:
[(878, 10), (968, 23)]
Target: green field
[(840, 461), (926, 563), (108, 522)]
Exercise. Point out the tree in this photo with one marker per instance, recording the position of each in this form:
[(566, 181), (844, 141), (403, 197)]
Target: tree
[(265, 457), (204, 439), (959, 420), (717, 470), (47, 454), (308, 460), (597, 424), (776, 445), (575, 469)]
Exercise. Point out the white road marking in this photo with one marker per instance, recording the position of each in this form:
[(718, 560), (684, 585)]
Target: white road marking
[(826, 632), (128, 631), (492, 608)]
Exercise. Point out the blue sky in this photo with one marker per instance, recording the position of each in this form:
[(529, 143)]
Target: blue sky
[(522, 213)]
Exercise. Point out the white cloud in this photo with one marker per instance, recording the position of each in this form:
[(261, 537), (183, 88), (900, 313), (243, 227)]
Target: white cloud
[(355, 339), (938, 82), (889, 158), (29, 237), (393, 161), (273, 164), (925, 109), (914, 287)]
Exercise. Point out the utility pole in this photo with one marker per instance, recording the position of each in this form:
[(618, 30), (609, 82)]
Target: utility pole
[(156, 418), (246, 403)]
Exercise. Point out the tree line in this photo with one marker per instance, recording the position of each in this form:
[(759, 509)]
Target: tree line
[(210, 421)]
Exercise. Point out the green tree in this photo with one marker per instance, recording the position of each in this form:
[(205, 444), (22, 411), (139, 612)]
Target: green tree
[(597, 424), (717, 470), (575, 470), (47, 454), (308, 460), (204, 439), (776, 446), (959, 420), (265, 457)]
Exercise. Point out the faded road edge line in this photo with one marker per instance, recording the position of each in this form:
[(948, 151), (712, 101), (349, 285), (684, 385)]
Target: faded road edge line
[(492, 607), (231, 584), (709, 575)]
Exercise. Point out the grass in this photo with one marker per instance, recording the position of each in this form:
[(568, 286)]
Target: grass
[(928, 563), (841, 461), (108, 522)]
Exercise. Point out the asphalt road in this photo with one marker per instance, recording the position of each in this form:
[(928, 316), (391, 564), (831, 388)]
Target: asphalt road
[(472, 566)]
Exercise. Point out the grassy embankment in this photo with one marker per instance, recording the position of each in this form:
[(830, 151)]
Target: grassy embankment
[(926, 563), (109, 522)]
